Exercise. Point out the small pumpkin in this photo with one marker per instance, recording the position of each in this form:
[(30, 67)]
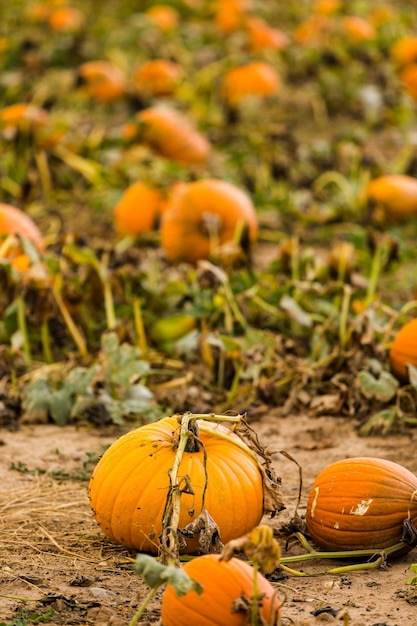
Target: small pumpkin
[(394, 197), (230, 15), (262, 36), (404, 351), (14, 221), (203, 215), (408, 77), (23, 115), (361, 503), (172, 135), (357, 29), (224, 582), (102, 80), (158, 77), (257, 78), (138, 210), (66, 19), (404, 51), (164, 17), (129, 485)]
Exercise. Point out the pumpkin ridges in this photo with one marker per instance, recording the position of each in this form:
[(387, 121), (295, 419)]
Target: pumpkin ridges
[(346, 485), (223, 582), (134, 486)]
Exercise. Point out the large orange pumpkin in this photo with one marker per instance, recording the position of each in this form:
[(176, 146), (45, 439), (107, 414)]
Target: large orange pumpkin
[(404, 350), (172, 135), (15, 221), (394, 196), (129, 485), (224, 583), (361, 503), (138, 210), (203, 215)]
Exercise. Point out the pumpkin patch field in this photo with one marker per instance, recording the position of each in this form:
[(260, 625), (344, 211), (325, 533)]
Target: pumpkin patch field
[(208, 313)]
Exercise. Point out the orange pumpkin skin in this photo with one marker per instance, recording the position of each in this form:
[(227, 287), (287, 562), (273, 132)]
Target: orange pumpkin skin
[(361, 503), (408, 77), (223, 582), (404, 351), (158, 77), (404, 51), (164, 17), (257, 78), (138, 210), (129, 486), (262, 36), (15, 221), (102, 80), (191, 205), (171, 134), (23, 115), (395, 196)]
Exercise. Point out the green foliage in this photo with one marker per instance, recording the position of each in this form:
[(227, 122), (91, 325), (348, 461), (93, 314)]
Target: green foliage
[(413, 579), (26, 617), (155, 575), (111, 382)]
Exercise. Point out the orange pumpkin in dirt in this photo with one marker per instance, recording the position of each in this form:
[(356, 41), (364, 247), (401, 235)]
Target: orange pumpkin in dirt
[(201, 216), (223, 583), (13, 221), (256, 78), (394, 197), (129, 485), (138, 210), (158, 77), (404, 351), (361, 503), (102, 80), (172, 135)]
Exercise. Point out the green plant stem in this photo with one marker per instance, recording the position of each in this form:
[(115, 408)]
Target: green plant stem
[(135, 619), (21, 320), (139, 326), (73, 330), (46, 342), (343, 335), (108, 295), (374, 275)]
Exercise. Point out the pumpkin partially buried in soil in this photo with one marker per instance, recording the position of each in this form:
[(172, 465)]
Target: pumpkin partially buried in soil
[(129, 486), (362, 503), (202, 216), (224, 583), (404, 351)]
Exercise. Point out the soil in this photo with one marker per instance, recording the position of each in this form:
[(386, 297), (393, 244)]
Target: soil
[(56, 565)]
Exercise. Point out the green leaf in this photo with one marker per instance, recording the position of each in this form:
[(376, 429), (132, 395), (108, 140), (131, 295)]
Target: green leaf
[(156, 575), (380, 423), (413, 579), (36, 399), (60, 405), (382, 387), (123, 362)]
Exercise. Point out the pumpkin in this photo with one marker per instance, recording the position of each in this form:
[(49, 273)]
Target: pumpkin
[(23, 115), (262, 36), (15, 221), (224, 582), (404, 51), (158, 77), (408, 77), (313, 29), (326, 7), (394, 197), (129, 485), (361, 503), (256, 78), (171, 134), (138, 210), (163, 16), (102, 80), (203, 215), (230, 15), (404, 351), (357, 28), (66, 19)]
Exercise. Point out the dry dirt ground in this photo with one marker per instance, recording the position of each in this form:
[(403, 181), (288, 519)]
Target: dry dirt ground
[(56, 563)]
